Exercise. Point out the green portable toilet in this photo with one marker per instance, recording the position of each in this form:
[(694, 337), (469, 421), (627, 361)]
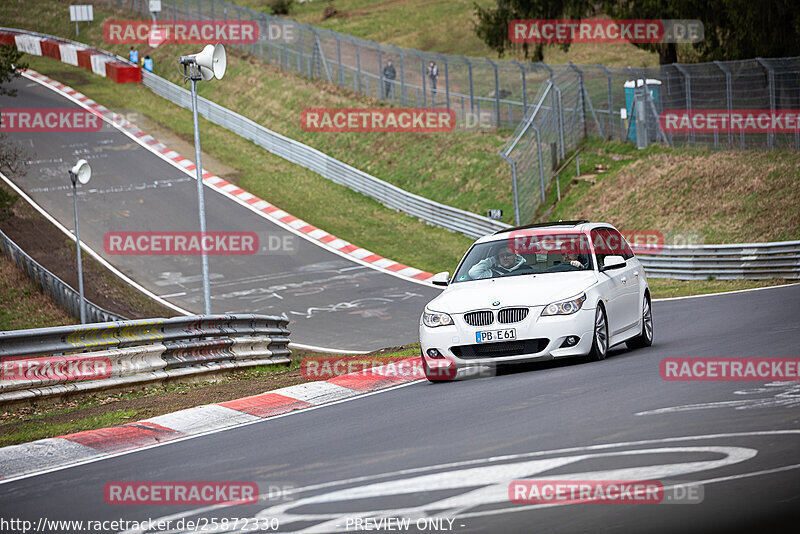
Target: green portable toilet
[(654, 88)]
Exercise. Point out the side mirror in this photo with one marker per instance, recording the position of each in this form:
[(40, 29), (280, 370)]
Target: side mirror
[(441, 279), (612, 262)]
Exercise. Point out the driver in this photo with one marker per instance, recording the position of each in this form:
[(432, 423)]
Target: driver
[(573, 259), (503, 262)]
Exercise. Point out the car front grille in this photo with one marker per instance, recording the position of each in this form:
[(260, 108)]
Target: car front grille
[(501, 349), (512, 315), (479, 318)]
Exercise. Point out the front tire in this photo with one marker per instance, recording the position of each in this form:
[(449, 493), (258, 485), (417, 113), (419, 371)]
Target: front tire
[(600, 337), (645, 338)]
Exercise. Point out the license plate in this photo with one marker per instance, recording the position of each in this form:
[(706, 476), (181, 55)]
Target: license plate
[(490, 336)]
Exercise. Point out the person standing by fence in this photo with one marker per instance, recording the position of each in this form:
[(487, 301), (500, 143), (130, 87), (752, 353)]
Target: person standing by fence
[(133, 56), (389, 74), (148, 63), (433, 73)]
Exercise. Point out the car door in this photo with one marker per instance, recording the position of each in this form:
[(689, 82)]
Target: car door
[(618, 283), (630, 307)]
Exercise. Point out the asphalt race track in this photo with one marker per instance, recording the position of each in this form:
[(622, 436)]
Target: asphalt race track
[(332, 301), (450, 450)]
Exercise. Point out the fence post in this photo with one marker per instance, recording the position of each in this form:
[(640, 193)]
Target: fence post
[(496, 93), (300, 54), (582, 91), (358, 63), (524, 87), (380, 70), (339, 58), (175, 15), (541, 169), (446, 80), (285, 58), (688, 81), (267, 26), (771, 83), (514, 193), (402, 75), (212, 8), (610, 103), (422, 71), (728, 97), (471, 90)]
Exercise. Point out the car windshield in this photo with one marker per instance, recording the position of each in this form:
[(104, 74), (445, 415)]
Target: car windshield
[(500, 258)]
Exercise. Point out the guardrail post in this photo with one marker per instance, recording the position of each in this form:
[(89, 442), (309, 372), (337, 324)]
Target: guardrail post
[(688, 80), (496, 93), (771, 86)]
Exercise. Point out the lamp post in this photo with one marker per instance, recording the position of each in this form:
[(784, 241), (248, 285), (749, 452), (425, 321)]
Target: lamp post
[(208, 64), (81, 172)]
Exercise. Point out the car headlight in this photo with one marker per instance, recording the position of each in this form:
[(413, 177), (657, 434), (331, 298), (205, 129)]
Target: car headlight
[(565, 307), (434, 319)]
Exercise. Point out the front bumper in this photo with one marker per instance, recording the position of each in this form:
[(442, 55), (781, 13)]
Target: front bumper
[(537, 338)]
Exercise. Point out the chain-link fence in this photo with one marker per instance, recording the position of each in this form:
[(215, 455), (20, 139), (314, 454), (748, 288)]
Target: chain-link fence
[(616, 103), (505, 90), (634, 104)]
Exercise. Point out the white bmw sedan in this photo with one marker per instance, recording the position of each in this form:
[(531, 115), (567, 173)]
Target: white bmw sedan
[(537, 292)]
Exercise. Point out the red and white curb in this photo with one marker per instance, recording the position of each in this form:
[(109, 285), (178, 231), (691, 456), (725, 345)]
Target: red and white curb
[(311, 232), (47, 454)]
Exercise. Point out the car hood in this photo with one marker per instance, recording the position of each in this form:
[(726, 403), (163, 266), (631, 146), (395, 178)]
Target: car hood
[(525, 290)]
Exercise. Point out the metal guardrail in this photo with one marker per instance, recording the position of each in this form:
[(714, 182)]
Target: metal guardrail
[(748, 262), (391, 196), (51, 361), (751, 261), (63, 295)]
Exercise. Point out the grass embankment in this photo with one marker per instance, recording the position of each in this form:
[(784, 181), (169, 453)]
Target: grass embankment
[(457, 168), (22, 304), (444, 27)]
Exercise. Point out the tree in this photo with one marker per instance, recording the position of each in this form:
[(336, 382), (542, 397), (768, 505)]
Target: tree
[(492, 26), (734, 29), (10, 67)]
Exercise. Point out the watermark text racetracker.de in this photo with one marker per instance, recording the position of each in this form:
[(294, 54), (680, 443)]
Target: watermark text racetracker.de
[(49, 120), (560, 491), (730, 121), (194, 243), (180, 31), (562, 31), (730, 369), (377, 120), (200, 524)]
